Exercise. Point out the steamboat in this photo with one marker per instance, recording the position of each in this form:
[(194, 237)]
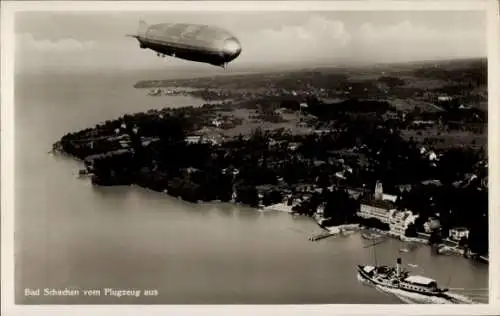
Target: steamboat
[(396, 278)]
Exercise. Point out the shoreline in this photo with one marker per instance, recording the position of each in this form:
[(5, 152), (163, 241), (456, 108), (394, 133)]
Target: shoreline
[(279, 207), (285, 149), (327, 231)]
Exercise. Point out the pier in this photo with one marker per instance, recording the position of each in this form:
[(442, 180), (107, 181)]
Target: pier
[(319, 236)]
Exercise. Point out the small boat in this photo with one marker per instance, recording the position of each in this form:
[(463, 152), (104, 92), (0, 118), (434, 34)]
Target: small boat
[(347, 232), (445, 250), (83, 173), (155, 92), (404, 250), (369, 235)]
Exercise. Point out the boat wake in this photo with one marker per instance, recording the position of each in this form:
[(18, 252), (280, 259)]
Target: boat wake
[(415, 298)]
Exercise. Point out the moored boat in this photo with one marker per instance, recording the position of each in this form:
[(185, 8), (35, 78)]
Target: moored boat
[(370, 235)]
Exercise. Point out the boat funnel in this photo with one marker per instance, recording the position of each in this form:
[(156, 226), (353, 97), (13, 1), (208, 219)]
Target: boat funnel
[(398, 266)]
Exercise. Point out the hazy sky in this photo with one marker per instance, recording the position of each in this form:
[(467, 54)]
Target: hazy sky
[(90, 40)]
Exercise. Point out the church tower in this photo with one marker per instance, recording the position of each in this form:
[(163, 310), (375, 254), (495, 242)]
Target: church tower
[(379, 192)]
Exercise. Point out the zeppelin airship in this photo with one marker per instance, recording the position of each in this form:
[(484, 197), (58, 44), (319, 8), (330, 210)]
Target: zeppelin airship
[(194, 42)]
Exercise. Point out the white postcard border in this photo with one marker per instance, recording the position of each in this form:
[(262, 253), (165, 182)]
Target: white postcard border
[(8, 9)]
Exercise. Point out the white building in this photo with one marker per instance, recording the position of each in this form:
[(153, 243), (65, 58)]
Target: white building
[(217, 122), (382, 207), (214, 139), (378, 207), (444, 98), (192, 139), (458, 233), (399, 222), (293, 146), (432, 156), (389, 197)]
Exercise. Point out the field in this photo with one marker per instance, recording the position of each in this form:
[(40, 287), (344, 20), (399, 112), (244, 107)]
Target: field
[(441, 140), (410, 88)]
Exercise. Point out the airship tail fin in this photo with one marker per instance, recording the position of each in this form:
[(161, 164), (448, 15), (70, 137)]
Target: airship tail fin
[(143, 26)]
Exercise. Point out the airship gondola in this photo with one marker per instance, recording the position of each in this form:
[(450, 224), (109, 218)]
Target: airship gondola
[(193, 42)]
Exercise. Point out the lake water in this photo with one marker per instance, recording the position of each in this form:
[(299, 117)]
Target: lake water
[(69, 234)]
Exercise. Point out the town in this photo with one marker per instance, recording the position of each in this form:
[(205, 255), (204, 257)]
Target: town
[(398, 148)]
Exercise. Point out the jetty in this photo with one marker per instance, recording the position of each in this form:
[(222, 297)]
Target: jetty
[(321, 235)]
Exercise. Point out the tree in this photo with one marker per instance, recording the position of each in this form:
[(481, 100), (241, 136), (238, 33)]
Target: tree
[(464, 241), (478, 237), (247, 194), (435, 237), (411, 231), (340, 207)]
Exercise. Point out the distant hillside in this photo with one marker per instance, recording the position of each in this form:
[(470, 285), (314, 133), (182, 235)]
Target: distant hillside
[(472, 72)]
